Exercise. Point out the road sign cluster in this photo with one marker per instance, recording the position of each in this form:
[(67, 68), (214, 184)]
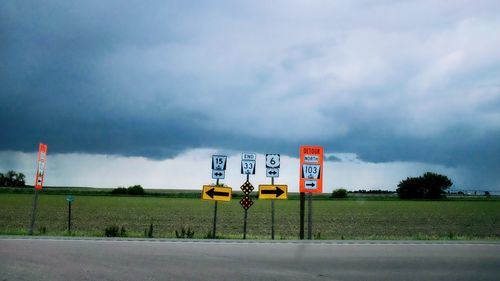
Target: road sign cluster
[(311, 178)]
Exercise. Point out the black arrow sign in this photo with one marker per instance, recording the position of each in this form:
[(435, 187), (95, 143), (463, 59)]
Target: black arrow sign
[(311, 184), (278, 191), (272, 173), (218, 174), (213, 193)]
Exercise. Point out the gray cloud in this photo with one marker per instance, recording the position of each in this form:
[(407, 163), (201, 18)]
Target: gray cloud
[(413, 81)]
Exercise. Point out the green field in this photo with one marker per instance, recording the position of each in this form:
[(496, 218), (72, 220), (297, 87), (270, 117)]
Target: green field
[(333, 219)]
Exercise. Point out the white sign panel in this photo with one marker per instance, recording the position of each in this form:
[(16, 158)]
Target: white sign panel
[(248, 156), (216, 174), (272, 172), (272, 160), (310, 184), (310, 171), (311, 158), (248, 167), (219, 162)]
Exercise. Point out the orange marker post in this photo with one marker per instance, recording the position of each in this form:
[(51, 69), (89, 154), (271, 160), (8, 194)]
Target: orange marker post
[(42, 158), (40, 174)]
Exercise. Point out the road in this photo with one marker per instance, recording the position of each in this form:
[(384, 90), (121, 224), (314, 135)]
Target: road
[(90, 259)]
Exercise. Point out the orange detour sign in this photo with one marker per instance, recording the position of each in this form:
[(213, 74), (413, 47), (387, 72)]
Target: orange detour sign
[(42, 158), (311, 169)]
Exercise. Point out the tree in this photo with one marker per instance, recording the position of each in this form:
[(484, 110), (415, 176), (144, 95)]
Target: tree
[(339, 193), (119, 190), (131, 190), (135, 190), (2, 180), (428, 186), (12, 179)]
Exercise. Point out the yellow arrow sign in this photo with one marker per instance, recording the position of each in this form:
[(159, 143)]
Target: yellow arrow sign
[(273, 191), (217, 193)]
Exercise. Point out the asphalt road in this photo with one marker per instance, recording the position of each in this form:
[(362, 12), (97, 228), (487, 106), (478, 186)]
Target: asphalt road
[(56, 259)]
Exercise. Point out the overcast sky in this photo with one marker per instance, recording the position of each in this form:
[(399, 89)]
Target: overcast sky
[(141, 90)]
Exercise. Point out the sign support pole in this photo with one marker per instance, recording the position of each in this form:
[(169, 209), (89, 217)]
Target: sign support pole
[(309, 216), (245, 217), (215, 215), (272, 213), (33, 212), (69, 217), (302, 213)]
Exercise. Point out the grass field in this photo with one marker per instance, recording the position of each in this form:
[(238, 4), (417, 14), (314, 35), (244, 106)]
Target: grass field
[(333, 219)]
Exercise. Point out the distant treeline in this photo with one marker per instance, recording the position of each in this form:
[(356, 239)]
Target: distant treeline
[(373, 191), (12, 179)]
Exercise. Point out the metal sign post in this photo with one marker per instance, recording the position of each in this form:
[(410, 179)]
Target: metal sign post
[(311, 181), (245, 218), (246, 203), (40, 174), (69, 217), (302, 214), (214, 229), (33, 212), (309, 216), (273, 191), (70, 200), (218, 192), (247, 168), (272, 213)]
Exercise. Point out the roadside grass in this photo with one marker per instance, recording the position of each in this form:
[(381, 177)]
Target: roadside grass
[(332, 219)]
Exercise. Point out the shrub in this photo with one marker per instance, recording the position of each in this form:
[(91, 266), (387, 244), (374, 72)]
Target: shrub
[(339, 193), (119, 190), (42, 230), (115, 231), (184, 233), (131, 190), (149, 232), (123, 232)]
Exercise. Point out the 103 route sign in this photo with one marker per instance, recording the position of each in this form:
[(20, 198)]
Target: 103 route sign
[(42, 158), (311, 169)]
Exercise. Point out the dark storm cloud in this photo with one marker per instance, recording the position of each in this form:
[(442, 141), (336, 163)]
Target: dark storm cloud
[(153, 79)]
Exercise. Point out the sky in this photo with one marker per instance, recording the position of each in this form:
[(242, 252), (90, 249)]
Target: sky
[(144, 92)]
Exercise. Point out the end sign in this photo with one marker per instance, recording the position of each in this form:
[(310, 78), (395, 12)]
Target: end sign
[(311, 169)]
